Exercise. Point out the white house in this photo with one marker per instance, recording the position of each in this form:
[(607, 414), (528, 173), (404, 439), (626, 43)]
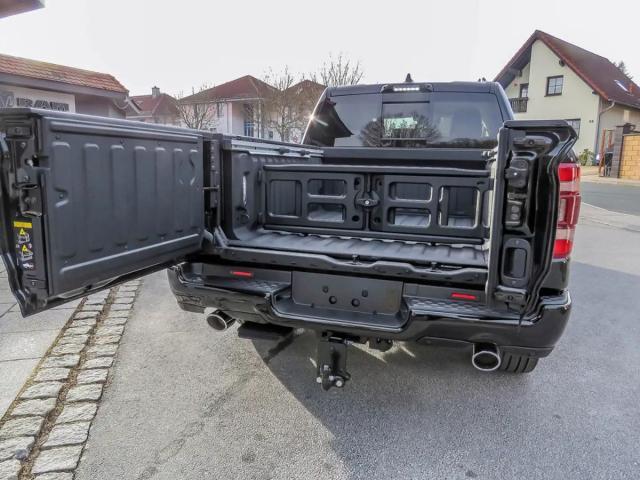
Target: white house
[(236, 106), (244, 106), (549, 78)]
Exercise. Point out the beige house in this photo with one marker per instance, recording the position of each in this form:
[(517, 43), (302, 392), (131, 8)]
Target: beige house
[(549, 78)]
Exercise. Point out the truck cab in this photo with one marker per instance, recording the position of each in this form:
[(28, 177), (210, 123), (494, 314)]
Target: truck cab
[(414, 212)]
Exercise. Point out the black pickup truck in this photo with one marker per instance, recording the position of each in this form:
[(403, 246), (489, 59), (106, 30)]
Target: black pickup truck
[(411, 212)]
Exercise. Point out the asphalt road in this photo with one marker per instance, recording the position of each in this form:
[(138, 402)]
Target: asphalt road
[(618, 198), (188, 403)]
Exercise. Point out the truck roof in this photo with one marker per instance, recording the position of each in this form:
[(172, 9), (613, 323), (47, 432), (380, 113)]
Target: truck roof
[(471, 87)]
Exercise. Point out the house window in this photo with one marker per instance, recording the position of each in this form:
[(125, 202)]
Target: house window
[(219, 109), (575, 124), (554, 85), (249, 125), (524, 90)]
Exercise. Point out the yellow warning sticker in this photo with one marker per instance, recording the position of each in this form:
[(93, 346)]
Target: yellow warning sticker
[(18, 224), (25, 249)]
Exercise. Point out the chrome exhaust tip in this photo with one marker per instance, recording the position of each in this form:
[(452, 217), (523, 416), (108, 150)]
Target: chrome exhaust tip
[(486, 357), (220, 321)]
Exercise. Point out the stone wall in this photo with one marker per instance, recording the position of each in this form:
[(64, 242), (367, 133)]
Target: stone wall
[(630, 157)]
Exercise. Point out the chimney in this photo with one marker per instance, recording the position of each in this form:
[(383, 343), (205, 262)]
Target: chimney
[(155, 92)]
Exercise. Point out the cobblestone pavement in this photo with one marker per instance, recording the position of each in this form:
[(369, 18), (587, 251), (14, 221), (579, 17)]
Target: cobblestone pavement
[(44, 431), (188, 403)]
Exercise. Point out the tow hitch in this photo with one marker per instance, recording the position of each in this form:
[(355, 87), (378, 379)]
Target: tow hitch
[(332, 361)]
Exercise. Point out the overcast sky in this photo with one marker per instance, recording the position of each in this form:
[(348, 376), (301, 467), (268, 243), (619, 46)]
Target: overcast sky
[(185, 43)]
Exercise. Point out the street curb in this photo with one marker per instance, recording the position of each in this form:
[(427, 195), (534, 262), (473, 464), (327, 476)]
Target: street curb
[(43, 433)]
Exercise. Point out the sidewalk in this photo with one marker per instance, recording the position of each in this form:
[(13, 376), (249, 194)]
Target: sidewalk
[(590, 174), (23, 341)]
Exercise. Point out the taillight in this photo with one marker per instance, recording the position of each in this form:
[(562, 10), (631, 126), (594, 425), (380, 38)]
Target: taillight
[(568, 208)]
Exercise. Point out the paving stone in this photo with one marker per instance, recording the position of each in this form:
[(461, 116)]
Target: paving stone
[(106, 339), (42, 390), (57, 459), (119, 306), (128, 288), (96, 375), (82, 315), (83, 322), (55, 476), (126, 293), (120, 314), (109, 322), (82, 330), (119, 300), (113, 330), (102, 350), (100, 294), (16, 447), (94, 301), (67, 434), (21, 427), (49, 374), (75, 339), (34, 407), (63, 361), (92, 308), (67, 348), (85, 393), (10, 469), (98, 362), (77, 412)]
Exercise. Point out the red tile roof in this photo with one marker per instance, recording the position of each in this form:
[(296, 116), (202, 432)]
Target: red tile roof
[(162, 104), (599, 73), (25, 67), (243, 87)]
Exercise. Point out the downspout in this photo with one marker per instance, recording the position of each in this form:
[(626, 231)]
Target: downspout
[(595, 146)]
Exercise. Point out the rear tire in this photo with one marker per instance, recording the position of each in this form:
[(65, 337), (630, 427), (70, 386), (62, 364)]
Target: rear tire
[(513, 363)]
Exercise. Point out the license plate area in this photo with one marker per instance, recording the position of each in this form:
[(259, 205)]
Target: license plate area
[(344, 293)]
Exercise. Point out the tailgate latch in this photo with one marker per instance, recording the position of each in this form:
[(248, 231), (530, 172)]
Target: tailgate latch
[(30, 200), (368, 200)]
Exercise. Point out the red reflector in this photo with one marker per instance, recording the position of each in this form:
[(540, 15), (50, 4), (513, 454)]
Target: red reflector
[(463, 296), (568, 172), (241, 273), (563, 243)]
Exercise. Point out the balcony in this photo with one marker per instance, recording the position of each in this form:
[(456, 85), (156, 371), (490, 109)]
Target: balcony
[(519, 104)]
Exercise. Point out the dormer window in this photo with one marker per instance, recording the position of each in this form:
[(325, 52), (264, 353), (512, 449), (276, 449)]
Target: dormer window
[(554, 85)]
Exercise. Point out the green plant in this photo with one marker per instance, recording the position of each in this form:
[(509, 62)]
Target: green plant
[(586, 157)]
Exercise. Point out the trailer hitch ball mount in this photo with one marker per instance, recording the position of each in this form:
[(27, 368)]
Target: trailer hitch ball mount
[(332, 362)]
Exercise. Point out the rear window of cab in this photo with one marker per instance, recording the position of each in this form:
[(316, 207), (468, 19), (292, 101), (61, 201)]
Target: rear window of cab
[(446, 119)]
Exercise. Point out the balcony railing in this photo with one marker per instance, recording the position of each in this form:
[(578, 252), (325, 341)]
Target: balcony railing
[(519, 105)]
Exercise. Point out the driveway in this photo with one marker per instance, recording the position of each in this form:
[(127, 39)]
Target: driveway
[(186, 402)]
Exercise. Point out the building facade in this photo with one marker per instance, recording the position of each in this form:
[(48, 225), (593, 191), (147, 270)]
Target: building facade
[(31, 83), (549, 78), (247, 106), (155, 108)]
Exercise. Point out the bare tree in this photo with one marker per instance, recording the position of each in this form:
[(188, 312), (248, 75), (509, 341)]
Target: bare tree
[(339, 71), (623, 68), (286, 107), (196, 111)]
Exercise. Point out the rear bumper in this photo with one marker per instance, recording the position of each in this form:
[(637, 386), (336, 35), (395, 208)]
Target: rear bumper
[(248, 302)]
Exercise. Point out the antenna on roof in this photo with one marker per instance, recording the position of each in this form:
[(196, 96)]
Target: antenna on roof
[(408, 79)]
